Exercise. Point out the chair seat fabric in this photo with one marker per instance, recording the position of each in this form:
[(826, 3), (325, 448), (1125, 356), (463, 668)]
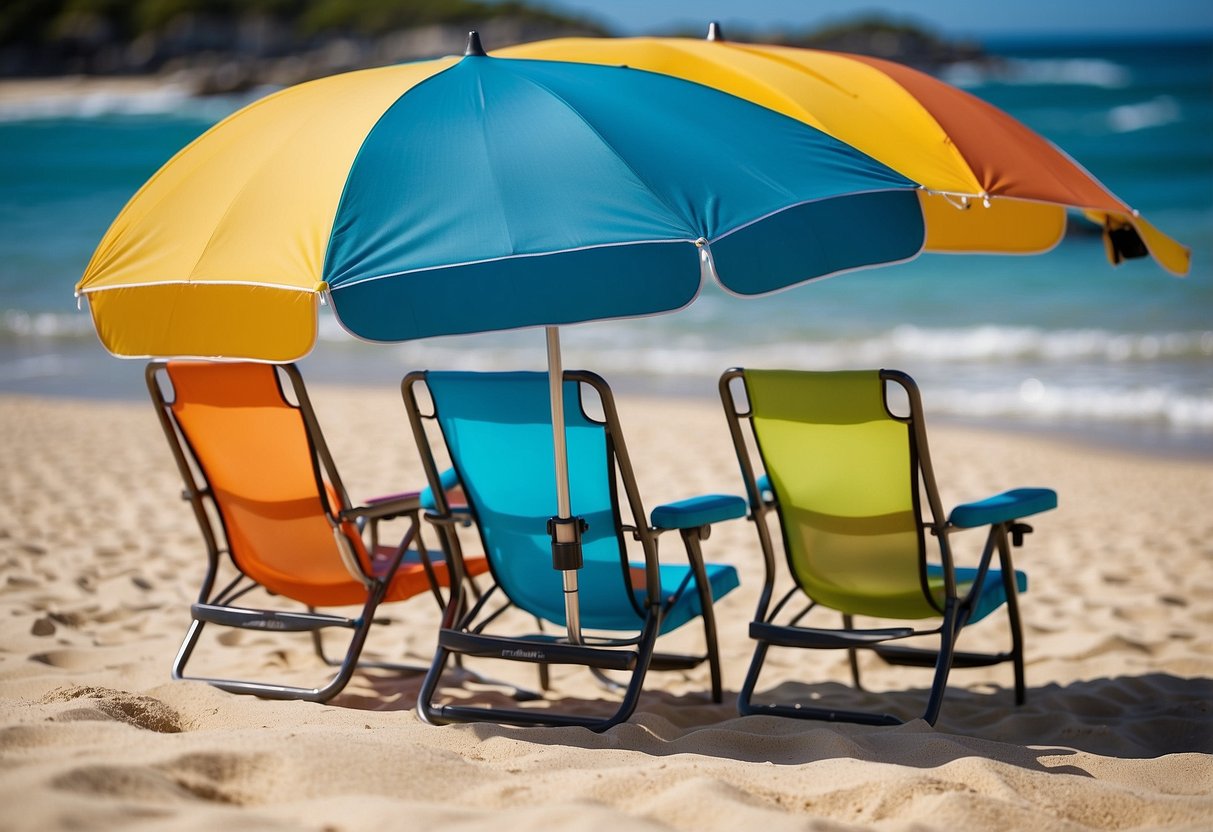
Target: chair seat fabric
[(721, 577), (601, 606)]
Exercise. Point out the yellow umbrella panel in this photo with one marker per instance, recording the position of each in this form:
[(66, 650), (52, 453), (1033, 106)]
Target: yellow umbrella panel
[(221, 253), (990, 183)]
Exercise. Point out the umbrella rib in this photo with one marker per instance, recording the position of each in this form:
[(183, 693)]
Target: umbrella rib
[(502, 215), (611, 148), (161, 172)]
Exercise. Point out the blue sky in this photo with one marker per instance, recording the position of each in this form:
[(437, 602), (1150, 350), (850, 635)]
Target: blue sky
[(976, 18)]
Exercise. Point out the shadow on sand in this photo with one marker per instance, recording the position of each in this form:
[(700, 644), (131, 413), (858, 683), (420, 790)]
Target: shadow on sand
[(1129, 717)]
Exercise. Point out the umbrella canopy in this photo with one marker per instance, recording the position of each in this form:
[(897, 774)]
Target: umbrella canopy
[(476, 194), (473, 194), (991, 184)]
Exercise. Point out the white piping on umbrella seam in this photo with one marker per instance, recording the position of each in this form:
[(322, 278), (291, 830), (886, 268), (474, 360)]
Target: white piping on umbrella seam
[(988, 197), (227, 359), (784, 208), (341, 323), (246, 283), (712, 262), (827, 276), (187, 357), (504, 257), (960, 194), (961, 202), (693, 241)]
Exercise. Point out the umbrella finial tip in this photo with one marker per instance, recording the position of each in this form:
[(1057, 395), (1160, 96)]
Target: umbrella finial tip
[(474, 46), (714, 31)]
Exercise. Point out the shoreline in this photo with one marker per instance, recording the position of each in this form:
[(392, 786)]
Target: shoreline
[(35, 88), (1134, 440)]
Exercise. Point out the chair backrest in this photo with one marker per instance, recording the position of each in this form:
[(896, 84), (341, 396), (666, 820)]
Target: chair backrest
[(263, 463), (498, 432), (845, 473)]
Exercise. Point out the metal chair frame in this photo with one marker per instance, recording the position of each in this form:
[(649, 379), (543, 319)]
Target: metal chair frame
[(955, 609), (217, 606), (462, 630)]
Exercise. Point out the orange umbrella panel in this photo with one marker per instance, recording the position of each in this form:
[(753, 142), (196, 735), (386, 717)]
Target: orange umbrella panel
[(991, 184)]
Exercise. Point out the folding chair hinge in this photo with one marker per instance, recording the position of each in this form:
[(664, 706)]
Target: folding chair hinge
[(566, 542), (1018, 530)]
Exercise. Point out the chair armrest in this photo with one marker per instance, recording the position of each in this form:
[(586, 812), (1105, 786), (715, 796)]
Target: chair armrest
[(698, 511), (385, 507), (1001, 508)]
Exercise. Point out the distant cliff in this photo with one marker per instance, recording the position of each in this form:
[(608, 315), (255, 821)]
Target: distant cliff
[(218, 46), (227, 45), (875, 35)]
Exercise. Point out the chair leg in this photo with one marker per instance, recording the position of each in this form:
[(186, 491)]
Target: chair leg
[(346, 668), (848, 621), (425, 698), (798, 711), (187, 648), (545, 671), (751, 680), (1012, 594), (399, 667), (691, 538), (943, 662), (442, 714)]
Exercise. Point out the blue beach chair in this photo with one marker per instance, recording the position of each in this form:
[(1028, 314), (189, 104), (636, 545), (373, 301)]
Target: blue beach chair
[(497, 430)]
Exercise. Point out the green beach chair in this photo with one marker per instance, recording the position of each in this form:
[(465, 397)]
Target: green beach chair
[(846, 478), (496, 429)]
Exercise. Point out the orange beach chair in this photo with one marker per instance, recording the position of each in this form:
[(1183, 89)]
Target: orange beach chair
[(266, 492)]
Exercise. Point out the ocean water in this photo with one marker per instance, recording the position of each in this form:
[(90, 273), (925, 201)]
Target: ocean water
[(1056, 342)]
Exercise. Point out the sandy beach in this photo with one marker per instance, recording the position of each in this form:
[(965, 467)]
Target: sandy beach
[(101, 560)]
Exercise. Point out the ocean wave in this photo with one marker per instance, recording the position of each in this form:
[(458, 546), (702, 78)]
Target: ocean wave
[(1020, 375), (911, 344), (1153, 113), (629, 347), (101, 100), (1036, 401), (1082, 72), (1077, 392), (32, 367), (20, 325), (1000, 343)]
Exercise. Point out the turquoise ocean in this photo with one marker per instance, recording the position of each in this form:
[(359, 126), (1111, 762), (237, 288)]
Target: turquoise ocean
[(1059, 342)]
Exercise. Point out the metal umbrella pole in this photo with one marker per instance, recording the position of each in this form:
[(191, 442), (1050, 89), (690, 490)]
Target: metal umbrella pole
[(564, 529)]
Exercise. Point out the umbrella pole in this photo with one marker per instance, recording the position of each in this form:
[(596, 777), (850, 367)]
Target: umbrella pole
[(564, 528)]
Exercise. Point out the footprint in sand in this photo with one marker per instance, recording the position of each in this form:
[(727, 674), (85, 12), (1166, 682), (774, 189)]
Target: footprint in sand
[(70, 658), (218, 777), (120, 706)]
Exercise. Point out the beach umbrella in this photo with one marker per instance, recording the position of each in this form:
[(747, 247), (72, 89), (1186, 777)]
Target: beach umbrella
[(990, 184), (472, 194)]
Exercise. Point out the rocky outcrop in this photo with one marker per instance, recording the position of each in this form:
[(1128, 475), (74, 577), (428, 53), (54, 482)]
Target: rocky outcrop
[(216, 47)]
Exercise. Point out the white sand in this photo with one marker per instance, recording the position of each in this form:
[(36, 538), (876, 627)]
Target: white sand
[(101, 560)]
